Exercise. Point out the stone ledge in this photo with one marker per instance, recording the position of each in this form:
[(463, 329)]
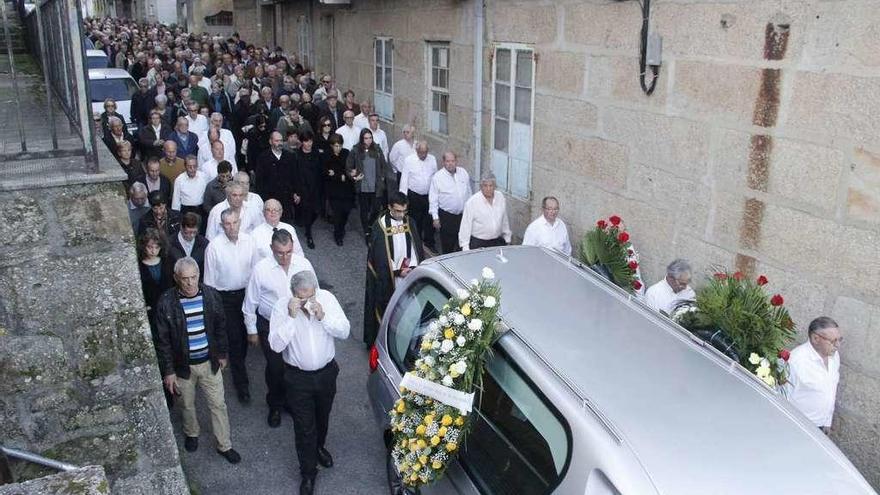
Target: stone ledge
[(89, 480)]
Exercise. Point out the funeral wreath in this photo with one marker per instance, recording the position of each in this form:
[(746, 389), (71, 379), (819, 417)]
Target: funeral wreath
[(608, 250), (427, 431)]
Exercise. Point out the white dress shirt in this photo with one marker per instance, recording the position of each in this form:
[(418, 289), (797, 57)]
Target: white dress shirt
[(262, 235), (269, 283), (209, 168), (185, 244), (188, 191), (661, 297), (350, 136), (228, 141), (381, 139), (197, 125), (399, 152), (549, 235), (228, 264), (361, 120), (448, 192), (484, 220), (812, 386), (249, 216), (304, 341), (417, 173)]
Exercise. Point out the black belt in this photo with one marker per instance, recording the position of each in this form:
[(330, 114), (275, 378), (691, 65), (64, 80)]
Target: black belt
[(309, 372), (441, 210), (231, 292)]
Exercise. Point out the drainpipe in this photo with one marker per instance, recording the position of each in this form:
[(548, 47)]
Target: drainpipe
[(478, 89)]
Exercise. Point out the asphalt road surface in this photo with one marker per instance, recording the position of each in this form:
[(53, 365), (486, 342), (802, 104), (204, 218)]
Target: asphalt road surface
[(269, 464)]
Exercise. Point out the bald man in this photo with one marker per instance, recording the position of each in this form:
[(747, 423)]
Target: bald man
[(170, 164), (273, 172), (415, 182)]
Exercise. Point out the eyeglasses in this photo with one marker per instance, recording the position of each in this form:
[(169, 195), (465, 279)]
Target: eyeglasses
[(273, 210), (835, 342), (327, 125)]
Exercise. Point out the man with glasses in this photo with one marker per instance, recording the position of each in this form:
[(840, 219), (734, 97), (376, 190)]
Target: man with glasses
[(667, 293), (326, 86), (814, 371), (548, 230)]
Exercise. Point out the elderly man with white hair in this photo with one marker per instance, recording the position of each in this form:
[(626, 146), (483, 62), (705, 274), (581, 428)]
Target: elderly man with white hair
[(484, 221), (236, 192), (225, 135), (137, 204), (218, 154), (674, 288), (401, 149), (262, 233)]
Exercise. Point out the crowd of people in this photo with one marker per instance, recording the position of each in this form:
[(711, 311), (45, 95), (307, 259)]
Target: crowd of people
[(237, 147)]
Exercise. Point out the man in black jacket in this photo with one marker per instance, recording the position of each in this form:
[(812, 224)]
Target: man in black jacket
[(192, 348), (189, 242), (160, 217)]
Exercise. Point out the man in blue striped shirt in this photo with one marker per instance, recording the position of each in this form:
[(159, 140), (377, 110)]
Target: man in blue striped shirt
[(192, 348)]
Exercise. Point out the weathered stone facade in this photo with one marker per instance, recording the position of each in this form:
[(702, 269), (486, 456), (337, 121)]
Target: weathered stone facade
[(759, 149), (89, 480), (78, 375)]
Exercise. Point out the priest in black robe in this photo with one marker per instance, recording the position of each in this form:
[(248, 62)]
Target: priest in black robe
[(393, 251)]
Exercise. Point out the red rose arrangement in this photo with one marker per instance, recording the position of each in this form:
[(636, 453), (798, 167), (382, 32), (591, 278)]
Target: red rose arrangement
[(608, 246)]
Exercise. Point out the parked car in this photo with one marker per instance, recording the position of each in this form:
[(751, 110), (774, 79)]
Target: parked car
[(588, 391), (113, 83), (97, 59)]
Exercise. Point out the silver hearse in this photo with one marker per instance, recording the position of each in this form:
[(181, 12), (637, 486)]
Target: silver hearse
[(589, 392)]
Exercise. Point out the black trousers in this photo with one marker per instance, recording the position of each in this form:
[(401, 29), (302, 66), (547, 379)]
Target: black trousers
[(274, 373), (481, 243), (340, 210), (369, 209), (237, 335), (449, 225), (310, 397), (418, 211)]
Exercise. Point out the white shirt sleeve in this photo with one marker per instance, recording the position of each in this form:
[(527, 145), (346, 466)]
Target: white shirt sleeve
[(250, 304), (529, 238), (566, 243), (335, 322), (212, 229), (210, 276), (281, 328), (651, 298), (404, 177), (505, 226), (464, 231), (175, 195), (434, 199)]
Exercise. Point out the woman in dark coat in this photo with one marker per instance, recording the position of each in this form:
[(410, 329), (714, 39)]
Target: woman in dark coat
[(258, 139), (155, 270), (372, 176), (323, 135), (307, 185), (338, 186)]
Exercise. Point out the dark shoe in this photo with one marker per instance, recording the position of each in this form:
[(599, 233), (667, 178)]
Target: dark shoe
[(231, 455), (191, 444), (339, 242), (307, 486), (274, 418), (310, 243), (287, 409), (324, 458), (244, 396)]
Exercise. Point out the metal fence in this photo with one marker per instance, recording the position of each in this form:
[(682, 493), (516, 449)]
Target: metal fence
[(54, 39)]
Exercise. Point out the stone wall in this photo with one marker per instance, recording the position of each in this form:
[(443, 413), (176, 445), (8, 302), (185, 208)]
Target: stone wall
[(758, 150), (78, 375), (89, 480)]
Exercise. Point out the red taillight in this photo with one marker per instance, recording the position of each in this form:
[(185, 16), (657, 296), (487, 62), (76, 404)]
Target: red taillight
[(374, 358)]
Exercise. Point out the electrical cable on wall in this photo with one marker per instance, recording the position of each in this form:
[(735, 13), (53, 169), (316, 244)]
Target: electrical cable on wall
[(643, 49)]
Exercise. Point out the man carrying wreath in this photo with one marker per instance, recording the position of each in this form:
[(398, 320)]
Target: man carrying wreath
[(394, 249)]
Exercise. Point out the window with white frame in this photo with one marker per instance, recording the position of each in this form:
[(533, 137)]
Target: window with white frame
[(438, 87), (512, 103), (383, 94)]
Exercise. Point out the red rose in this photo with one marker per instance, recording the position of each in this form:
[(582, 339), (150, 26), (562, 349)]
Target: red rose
[(762, 280), (614, 219), (784, 354), (738, 275), (622, 237), (776, 300), (637, 285), (633, 265), (720, 276), (601, 224)]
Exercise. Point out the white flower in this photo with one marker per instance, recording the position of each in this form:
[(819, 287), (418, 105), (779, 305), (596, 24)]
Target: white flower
[(475, 325), (488, 274), (446, 346), (460, 341), (434, 326), (769, 380), (459, 367), (765, 363), (447, 380), (435, 345), (458, 318), (754, 358), (462, 294), (762, 372), (474, 282), (444, 321), (490, 302), (429, 360)]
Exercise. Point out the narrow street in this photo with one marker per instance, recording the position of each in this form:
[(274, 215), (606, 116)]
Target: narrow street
[(269, 464)]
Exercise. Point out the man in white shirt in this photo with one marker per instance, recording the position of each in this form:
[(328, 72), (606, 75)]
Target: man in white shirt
[(189, 188), (402, 149), (350, 133), (252, 200), (207, 152), (235, 194), (667, 293), (302, 329), (450, 189), (548, 230), (484, 221), (814, 368), (379, 136), (229, 259), (415, 182), (198, 124), (270, 282), (362, 119), (262, 233)]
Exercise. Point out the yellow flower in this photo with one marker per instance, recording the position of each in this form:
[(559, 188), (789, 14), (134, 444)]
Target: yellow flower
[(447, 420), (451, 446), (402, 389), (436, 464), (417, 466), (423, 459), (453, 373), (426, 344), (403, 467), (414, 477), (435, 440), (429, 419), (401, 406), (459, 421), (442, 431), (420, 430), (466, 309), (421, 444), (403, 443), (413, 447), (449, 333)]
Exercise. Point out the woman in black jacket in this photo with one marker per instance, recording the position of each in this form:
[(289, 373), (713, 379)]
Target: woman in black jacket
[(308, 185), (367, 167), (155, 270), (338, 186)]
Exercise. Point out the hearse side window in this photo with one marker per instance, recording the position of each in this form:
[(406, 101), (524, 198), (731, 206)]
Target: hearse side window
[(519, 444), (415, 309)]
